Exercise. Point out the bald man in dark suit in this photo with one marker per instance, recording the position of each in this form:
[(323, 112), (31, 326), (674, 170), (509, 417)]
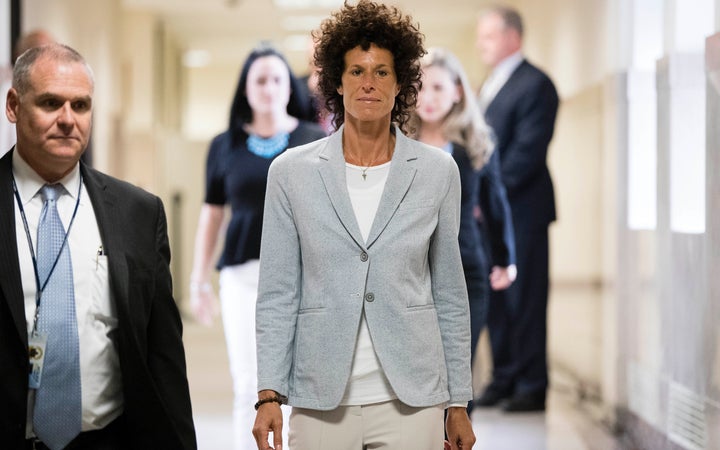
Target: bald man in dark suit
[(117, 378)]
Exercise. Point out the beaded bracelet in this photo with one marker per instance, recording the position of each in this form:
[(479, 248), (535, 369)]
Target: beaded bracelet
[(276, 399)]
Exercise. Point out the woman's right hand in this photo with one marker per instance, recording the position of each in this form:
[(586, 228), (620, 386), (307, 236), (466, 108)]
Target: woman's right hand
[(203, 304)]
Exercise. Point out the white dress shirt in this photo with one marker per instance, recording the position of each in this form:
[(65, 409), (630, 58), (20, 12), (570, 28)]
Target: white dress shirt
[(100, 377)]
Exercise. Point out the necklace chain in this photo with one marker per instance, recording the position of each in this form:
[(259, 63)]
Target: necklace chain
[(363, 168)]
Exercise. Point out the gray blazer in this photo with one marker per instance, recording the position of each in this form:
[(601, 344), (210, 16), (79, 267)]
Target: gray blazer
[(317, 276)]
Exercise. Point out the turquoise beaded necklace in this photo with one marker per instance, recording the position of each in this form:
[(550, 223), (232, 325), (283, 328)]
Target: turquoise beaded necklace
[(268, 147)]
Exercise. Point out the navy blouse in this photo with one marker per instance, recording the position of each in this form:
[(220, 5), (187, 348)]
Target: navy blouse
[(483, 188)]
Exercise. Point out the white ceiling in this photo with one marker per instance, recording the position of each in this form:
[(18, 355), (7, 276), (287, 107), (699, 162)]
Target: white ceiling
[(228, 28)]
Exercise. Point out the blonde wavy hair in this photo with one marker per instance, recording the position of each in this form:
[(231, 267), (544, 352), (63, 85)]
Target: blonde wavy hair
[(464, 123)]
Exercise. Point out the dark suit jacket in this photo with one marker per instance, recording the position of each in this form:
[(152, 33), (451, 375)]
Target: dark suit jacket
[(496, 214), (157, 412), (522, 115)]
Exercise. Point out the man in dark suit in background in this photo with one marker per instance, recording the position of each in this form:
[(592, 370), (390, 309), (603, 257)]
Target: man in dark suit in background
[(90, 335), (520, 104)]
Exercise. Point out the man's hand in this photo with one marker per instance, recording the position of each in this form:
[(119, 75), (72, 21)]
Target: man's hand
[(502, 277), (268, 419), (459, 429)]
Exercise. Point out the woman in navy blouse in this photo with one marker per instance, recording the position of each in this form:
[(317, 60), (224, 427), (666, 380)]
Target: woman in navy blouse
[(263, 124), (448, 117)]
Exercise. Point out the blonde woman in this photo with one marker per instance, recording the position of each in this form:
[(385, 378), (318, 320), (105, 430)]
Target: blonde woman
[(448, 117)]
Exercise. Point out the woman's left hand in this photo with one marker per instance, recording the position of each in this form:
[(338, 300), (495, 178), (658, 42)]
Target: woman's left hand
[(459, 429)]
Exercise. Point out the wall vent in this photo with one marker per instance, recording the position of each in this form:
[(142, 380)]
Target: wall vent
[(687, 425)]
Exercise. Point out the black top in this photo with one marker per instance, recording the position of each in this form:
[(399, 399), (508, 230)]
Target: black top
[(237, 176), (483, 188)]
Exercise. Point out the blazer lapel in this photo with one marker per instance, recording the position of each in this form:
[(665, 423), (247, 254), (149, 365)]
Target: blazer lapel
[(402, 173), (10, 280), (110, 225), (332, 173), (399, 180)]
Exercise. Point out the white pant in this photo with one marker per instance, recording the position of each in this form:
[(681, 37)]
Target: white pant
[(238, 293), (390, 425)]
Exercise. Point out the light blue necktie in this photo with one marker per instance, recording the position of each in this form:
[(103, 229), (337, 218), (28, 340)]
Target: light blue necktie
[(58, 414)]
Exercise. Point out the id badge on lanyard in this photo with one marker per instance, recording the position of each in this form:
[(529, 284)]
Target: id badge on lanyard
[(37, 345), (37, 341)]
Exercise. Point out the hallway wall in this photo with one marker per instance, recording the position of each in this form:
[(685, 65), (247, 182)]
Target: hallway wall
[(665, 363), (91, 27), (632, 78)]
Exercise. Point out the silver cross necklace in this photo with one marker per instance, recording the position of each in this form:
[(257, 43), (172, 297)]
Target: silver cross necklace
[(363, 168)]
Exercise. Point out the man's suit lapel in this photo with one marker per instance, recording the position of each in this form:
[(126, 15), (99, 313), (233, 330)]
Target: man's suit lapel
[(402, 173), (332, 172), (110, 224), (507, 87), (10, 280)]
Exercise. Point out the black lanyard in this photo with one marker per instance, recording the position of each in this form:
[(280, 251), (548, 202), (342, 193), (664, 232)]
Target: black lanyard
[(40, 287)]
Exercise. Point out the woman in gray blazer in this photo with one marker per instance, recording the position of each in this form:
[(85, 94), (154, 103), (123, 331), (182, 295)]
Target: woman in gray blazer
[(362, 311)]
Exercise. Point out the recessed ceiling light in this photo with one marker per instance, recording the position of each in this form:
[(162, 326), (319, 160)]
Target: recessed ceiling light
[(196, 58)]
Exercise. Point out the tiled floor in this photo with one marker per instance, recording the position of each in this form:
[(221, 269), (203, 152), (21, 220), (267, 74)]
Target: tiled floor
[(565, 425)]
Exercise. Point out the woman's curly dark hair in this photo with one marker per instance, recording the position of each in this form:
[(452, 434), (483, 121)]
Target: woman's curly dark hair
[(362, 25)]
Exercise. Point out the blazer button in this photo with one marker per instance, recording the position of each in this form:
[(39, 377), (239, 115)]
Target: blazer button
[(363, 256), (369, 297)]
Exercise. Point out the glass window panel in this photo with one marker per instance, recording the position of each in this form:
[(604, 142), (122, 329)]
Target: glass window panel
[(642, 151), (693, 22), (687, 147), (642, 114)]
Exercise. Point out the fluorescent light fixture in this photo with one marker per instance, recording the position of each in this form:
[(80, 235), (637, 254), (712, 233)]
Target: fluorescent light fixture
[(307, 4), (196, 58), (296, 43)]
